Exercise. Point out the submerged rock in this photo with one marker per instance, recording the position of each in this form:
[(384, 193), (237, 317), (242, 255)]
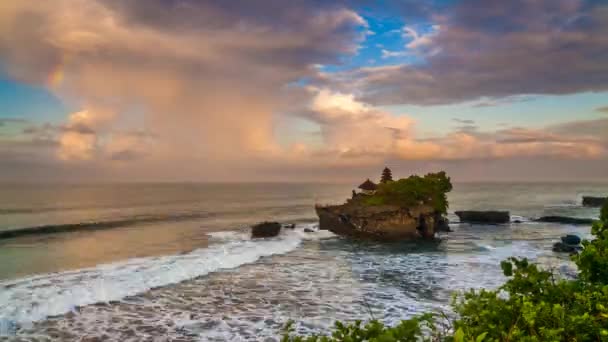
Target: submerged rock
[(570, 244), (308, 230), (590, 201), (571, 239), (565, 220), (442, 223), (265, 229), (492, 216), (561, 247), (380, 222)]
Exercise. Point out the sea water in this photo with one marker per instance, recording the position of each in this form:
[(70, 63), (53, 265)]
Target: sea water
[(176, 261)]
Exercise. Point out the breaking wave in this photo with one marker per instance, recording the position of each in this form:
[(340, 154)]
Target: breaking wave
[(32, 299)]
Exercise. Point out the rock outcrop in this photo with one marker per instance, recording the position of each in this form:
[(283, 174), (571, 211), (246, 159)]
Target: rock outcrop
[(491, 217), (561, 247), (589, 201), (569, 244), (381, 222), (565, 220), (571, 239), (265, 229)]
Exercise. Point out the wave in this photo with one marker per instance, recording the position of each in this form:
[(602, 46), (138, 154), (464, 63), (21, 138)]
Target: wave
[(95, 225), (32, 299)]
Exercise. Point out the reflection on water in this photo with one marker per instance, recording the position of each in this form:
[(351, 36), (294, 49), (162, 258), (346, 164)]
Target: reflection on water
[(58, 252)]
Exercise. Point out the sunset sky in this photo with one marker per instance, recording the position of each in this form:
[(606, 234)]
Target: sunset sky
[(275, 90)]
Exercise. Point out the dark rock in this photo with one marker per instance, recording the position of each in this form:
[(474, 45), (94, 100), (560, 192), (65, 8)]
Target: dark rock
[(571, 239), (565, 220), (492, 217), (442, 223), (309, 230), (265, 229), (379, 222), (561, 247), (590, 201), (289, 225)]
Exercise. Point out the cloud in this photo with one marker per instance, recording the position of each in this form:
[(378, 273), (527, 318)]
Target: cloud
[(464, 121), (358, 132), (194, 89), (495, 49), (9, 121), (205, 77)]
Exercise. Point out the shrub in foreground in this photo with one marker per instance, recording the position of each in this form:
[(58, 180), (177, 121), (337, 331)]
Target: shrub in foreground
[(532, 305)]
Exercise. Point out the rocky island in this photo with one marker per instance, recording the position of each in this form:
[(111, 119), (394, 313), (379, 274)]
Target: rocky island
[(405, 209)]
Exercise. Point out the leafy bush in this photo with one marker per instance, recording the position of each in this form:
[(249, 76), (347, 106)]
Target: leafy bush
[(431, 189), (532, 305)]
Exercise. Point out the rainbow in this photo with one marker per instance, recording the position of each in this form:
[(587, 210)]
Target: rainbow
[(57, 74)]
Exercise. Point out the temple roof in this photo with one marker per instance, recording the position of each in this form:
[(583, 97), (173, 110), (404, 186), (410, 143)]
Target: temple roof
[(368, 185)]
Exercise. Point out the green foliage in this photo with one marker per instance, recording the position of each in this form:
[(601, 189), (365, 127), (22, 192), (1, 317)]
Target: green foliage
[(431, 189), (419, 328), (532, 305), (593, 260)]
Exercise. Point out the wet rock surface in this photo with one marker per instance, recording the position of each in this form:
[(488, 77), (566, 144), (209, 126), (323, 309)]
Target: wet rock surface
[(565, 220), (265, 229), (591, 201), (381, 222), (491, 216)]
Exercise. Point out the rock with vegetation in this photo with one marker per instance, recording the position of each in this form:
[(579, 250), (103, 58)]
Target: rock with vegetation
[(565, 220), (265, 229), (590, 201), (489, 217), (532, 305), (405, 209)]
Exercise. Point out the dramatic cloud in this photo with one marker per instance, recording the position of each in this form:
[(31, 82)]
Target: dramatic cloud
[(195, 89), (361, 133), (206, 77), (494, 49)]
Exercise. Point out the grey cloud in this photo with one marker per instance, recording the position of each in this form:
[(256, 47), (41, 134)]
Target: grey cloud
[(590, 128), (9, 121), (464, 121), (125, 155), (496, 49)]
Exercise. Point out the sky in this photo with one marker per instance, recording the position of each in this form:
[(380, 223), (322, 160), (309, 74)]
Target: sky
[(195, 90)]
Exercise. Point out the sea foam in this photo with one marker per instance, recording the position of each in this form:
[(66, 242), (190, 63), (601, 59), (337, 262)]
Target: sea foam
[(32, 299)]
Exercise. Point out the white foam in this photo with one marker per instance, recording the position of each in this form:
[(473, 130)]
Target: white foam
[(32, 299)]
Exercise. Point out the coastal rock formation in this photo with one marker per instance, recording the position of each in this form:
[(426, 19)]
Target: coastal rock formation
[(565, 220), (381, 222), (561, 247), (265, 229), (491, 217), (571, 239), (569, 244), (589, 201)]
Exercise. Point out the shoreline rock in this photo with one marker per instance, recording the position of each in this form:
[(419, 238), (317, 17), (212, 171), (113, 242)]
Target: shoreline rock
[(381, 222), (591, 201), (565, 220), (489, 217), (265, 229), (561, 247)]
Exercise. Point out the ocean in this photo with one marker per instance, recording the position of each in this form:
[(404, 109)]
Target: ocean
[(175, 262)]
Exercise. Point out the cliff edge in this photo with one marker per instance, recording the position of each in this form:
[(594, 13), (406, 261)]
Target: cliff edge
[(382, 222)]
